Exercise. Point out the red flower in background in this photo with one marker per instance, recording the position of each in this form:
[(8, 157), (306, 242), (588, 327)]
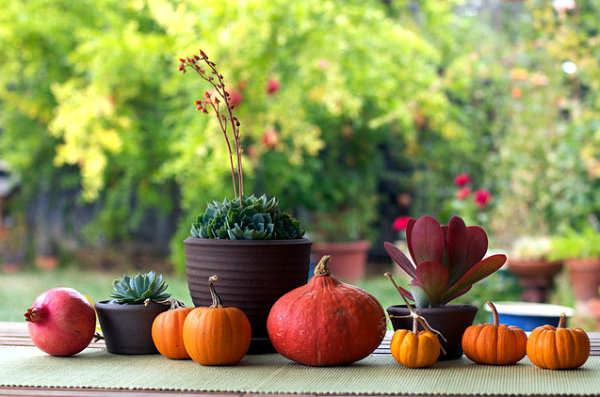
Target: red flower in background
[(482, 197), (463, 193), (462, 179), (400, 223), (516, 93), (272, 86), (235, 97), (270, 138)]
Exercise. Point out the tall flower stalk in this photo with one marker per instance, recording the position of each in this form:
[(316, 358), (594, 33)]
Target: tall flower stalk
[(207, 70)]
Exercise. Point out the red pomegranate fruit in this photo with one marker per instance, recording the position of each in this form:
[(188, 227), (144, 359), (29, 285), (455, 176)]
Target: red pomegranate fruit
[(61, 322), (326, 322)]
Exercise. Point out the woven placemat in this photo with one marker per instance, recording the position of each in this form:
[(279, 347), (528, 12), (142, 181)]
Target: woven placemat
[(377, 374)]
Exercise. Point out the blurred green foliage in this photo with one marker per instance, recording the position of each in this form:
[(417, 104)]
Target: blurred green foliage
[(344, 105)]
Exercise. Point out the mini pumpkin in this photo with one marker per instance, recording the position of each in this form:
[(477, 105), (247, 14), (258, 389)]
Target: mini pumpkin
[(495, 344), (216, 335), (558, 348), (415, 350), (167, 332)]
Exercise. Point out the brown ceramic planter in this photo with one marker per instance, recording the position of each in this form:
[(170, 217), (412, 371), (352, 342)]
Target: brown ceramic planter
[(127, 328), (585, 277), (535, 276), (348, 259), (253, 274), (450, 320)]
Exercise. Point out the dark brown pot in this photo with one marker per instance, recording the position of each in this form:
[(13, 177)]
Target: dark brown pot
[(585, 277), (127, 328), (348, 259), (450, 320), (253, 274), (536, 277)]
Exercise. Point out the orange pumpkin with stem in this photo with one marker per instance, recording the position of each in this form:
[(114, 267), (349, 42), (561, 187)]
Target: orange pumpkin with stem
[(167, 331), (415, 349), (216, 335), (558, 348), (495, 344)]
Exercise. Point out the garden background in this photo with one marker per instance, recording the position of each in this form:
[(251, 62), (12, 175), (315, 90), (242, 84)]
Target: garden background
[(354, 113)]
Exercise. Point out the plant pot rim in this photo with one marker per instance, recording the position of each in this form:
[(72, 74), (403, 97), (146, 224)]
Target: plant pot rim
[(128, 306), (355, 244), (244, 243), (516, 308), (443, 308)]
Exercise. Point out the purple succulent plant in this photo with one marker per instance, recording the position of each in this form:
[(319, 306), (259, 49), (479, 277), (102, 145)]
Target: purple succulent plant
[(448, 259)]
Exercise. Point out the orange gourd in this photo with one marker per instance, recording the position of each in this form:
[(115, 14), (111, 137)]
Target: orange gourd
[(167, 332), (415, 350), (495, 344), (216, 335), (411, 348), (558, 348)]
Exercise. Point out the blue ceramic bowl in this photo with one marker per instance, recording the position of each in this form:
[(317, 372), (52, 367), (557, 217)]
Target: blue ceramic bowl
[(528, 316)]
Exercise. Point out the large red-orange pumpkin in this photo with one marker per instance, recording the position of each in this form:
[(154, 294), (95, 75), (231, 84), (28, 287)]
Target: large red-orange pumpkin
[(167, 333), (326, 322)]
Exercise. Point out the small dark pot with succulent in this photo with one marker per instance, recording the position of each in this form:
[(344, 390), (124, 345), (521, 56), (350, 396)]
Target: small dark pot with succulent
[(449, 260), (126, 321), (257, 250)]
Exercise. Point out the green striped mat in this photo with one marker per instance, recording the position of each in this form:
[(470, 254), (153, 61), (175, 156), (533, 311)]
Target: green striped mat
[(377, 374)]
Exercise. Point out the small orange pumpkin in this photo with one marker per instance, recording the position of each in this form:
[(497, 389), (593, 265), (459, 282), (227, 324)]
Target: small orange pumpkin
[(558, 348), (167, 332), (411, 348), (216, 335), (496, 344), (415, 350)]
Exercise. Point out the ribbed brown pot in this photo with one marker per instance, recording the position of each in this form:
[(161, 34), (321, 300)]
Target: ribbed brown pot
[(253, 274), (585, 277), (348, 259), (451, 320)]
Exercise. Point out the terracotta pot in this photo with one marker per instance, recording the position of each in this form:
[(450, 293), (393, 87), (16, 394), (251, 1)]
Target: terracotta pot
[(127, 328), (450, 320), (253, 274), (585, 277), (594, 308), (348, 259), (535, 276), (46, 262)]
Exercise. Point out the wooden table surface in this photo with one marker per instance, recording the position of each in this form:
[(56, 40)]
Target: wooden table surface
[(16, 334)]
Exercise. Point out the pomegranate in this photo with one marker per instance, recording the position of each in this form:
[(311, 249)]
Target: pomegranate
[(62, 322)]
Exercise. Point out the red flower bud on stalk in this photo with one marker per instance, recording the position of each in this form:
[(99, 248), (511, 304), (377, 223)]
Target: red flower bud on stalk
[(224, 119)]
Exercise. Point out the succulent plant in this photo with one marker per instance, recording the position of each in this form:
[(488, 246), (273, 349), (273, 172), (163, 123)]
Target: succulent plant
[(140, 288), (252, 218), (446, 260)]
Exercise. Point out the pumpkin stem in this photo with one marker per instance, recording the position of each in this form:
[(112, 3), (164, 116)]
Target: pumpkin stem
[(563, 319), (216, 299), (322, 268), (494, 313)]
